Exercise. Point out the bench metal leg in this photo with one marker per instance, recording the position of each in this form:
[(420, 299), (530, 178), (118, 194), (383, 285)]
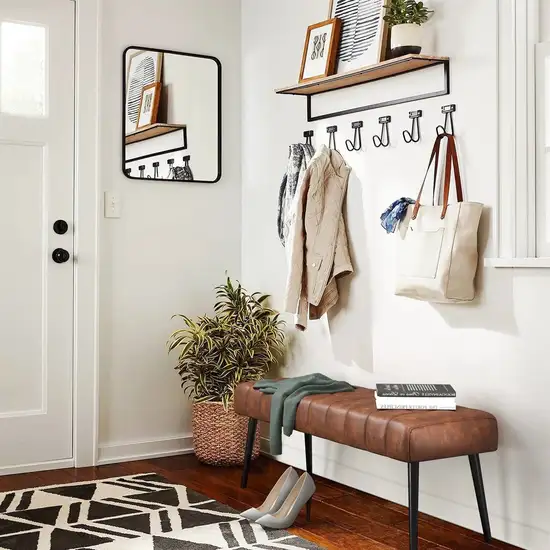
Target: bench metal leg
[(309, 468), (252, 424), (413, 505), (475, 466)]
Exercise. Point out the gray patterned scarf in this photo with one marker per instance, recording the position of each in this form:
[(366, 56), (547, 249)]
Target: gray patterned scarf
[(299, 157)]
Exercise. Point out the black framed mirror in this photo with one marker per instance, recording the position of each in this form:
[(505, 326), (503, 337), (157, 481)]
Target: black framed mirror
[(172, 111)]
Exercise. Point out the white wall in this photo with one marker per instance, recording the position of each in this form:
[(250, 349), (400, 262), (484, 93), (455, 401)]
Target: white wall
[(173, 242), (494, 351)]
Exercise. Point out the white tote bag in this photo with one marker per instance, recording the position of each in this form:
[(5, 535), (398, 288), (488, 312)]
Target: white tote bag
[(437, 249)]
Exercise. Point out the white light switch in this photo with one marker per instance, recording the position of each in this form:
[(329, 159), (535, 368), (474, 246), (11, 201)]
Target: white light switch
[(111, 204)]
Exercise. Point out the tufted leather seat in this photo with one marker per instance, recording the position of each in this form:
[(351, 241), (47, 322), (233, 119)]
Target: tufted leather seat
[(409, 436)]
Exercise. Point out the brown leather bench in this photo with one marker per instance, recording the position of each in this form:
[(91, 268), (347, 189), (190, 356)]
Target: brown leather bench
[(408, 436)]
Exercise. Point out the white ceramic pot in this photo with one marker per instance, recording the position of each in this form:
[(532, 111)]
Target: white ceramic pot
[(406, 39)]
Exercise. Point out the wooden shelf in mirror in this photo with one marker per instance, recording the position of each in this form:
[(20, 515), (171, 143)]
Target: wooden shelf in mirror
[(386, 69), (152, 131)]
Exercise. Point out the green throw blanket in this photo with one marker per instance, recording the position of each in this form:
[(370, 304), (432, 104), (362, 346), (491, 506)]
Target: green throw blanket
[(287, 395)]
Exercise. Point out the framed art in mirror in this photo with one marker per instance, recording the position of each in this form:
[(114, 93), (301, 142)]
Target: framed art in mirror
[(172, 109)]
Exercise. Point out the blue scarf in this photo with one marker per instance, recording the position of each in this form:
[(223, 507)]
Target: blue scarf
[(395, 213)]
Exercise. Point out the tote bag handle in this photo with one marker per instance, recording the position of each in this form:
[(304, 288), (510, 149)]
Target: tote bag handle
[(451, 160)]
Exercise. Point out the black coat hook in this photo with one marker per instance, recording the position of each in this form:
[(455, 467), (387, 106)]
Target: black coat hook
[(331, 130), (308, 135), (357, 143), (414, 135), (156, 170), (141, 171), (448, 111), (383, 140)]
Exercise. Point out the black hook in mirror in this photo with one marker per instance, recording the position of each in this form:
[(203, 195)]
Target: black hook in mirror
[(357, 143), (448, 111), (156, 170), (331, 130), (308, 135), (414, 135), (141, 171), (383, 140)]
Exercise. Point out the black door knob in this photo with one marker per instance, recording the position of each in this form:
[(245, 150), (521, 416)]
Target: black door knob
[(60, 256), (60, 227)]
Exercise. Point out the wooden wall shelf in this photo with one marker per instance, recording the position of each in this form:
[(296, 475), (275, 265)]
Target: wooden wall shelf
[(151, 131), (386, 69)]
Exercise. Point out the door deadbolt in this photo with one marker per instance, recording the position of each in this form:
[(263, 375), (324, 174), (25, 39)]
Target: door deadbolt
[(60, 227)]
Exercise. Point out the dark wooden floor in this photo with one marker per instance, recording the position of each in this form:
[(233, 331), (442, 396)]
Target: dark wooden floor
[(343, 518)]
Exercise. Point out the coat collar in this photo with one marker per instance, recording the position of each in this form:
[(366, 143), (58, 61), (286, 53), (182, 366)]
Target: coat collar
[(332, 159)]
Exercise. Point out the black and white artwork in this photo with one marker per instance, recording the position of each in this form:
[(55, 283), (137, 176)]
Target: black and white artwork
[(363, 33), (144, 68), (141, 512)]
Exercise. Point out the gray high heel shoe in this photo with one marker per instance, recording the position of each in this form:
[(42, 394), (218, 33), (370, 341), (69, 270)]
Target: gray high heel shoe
[(276, 496), (296, 500)]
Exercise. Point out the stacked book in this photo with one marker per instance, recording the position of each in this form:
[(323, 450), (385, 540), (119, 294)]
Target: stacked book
[(435, 397)]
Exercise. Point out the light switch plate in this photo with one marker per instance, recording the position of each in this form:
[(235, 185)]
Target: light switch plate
[(111, 204)]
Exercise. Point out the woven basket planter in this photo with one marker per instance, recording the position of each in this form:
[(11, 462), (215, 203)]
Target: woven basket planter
[(219, 436)]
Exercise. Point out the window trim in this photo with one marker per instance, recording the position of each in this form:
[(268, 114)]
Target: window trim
[(514, 225)]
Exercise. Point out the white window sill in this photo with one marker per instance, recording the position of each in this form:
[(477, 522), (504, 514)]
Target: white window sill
[(517, 262)]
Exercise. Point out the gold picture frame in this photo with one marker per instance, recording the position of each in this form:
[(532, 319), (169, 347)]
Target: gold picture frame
[(149, 105), (320, 50)]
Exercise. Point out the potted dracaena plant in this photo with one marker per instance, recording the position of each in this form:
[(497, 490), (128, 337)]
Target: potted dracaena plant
[(238, 344), (405, 18)]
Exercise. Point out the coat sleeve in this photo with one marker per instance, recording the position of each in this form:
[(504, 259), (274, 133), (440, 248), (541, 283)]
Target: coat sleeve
[(295, 289)]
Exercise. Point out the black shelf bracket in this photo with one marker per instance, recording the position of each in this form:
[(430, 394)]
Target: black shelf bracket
[(163, 151), (369, 107)]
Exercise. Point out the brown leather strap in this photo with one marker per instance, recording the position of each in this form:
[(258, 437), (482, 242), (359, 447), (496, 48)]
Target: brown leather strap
[(451, 161), (434, 156)]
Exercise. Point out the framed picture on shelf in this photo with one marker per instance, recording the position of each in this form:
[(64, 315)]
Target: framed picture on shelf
[(144, 67), (149, 105), (320, 50), (364, 33)]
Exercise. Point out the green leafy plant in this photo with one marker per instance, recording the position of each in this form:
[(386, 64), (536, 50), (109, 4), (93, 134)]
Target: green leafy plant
[(239, 344), (400, 12)]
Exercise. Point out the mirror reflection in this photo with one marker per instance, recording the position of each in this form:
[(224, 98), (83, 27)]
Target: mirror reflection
[(172, 119)]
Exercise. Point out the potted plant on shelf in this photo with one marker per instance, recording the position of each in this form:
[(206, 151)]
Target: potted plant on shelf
[(238, 344), (405, 18)]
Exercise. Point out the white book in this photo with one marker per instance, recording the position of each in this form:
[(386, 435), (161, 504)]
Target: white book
[(417, 402), (414, 407)]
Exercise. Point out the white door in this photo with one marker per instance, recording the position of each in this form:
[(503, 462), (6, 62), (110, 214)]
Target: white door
[(36, 189)]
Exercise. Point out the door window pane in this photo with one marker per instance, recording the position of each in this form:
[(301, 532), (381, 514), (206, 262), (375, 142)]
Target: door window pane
[(22, 69)]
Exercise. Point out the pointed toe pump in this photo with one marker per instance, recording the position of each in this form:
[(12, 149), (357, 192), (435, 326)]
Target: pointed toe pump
[(296, 500), (276, 496)]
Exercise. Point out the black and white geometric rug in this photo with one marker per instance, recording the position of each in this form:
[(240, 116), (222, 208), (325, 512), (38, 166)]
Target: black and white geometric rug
[(141, 512)]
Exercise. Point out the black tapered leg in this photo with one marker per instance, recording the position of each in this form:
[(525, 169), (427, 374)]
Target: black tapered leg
[(413, 505), (252, 424), (309, 468), (475, 466)]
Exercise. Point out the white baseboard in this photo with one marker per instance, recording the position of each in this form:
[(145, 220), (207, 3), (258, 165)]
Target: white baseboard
[(38, 467), (111, 453), (518, 534)]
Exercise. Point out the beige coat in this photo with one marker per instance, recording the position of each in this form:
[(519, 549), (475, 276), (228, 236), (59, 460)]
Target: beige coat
[(318, 245)]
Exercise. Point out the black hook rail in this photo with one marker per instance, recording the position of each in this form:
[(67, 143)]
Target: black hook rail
[(309, 135), (357, 143), (414, 135), (383, 140)]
